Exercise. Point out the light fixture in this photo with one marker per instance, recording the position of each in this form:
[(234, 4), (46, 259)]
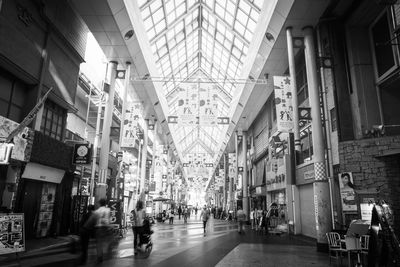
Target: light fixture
[(128, 35), (269, 37)]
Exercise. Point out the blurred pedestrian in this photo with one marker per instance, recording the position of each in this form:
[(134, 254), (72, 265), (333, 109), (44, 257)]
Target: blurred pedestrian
[(241, 218), (138, 216), (87, 231), (185, 214), (102, 229), (252, 218), (179, 212), (204, 215)]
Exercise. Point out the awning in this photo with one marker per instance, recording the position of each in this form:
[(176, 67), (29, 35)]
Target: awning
[(43, 173)]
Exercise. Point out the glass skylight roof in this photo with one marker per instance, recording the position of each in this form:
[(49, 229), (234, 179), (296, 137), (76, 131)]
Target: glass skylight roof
[(205, 41)]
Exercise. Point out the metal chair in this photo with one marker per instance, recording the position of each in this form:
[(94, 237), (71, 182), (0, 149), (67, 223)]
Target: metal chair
[(335, 247), (364, 242)]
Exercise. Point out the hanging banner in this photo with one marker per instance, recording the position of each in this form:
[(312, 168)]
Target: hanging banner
[(232, 166), (32, 114), (283, 103), (208, 104), (188, 104), (131, 127)]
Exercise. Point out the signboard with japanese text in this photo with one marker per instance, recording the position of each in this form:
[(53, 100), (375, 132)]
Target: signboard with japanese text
[(283, 103), (131, 127), (115, 211), (12, 233)]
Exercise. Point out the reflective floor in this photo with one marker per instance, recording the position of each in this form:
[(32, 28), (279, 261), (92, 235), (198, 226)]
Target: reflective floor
[(183, 244)]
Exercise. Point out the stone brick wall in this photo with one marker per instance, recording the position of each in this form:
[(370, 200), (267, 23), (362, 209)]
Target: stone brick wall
[(375, 166)]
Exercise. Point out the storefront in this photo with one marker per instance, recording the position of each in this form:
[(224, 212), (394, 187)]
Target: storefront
[(305, 187), (39, 184), (276, 170)]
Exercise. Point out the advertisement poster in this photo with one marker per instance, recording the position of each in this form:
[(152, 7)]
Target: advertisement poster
[(12, 235), (188, 104), (208, 104), (131, 127), (347, 193), (283, 103)]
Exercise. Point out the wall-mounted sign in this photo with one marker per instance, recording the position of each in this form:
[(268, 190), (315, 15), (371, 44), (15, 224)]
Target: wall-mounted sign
[(12, 233), (309, 175), (81, 154)]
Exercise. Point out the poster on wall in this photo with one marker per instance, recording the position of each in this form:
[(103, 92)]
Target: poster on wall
[(12, 233), (131, 127), (283, 103), (347, 194)]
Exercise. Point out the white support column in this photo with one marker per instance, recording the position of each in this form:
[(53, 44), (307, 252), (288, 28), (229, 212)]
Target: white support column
[(321, 186), (292, 71), (245, 190), (121, 128), (144, 161), (105, 136)]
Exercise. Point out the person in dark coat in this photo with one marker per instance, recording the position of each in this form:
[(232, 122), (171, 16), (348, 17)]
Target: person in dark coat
[(87, 231)]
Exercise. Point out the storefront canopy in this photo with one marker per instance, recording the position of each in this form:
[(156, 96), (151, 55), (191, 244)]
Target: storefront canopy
[(43, 173)]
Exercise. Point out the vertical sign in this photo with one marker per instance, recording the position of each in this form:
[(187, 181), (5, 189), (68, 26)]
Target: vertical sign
[(283, 103), (208, 105), (115, 211), (232, 166), (131, 129), (188, 104)]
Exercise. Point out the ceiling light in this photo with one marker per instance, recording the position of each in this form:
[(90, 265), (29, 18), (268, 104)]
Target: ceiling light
[(269, 37), (128, 35)]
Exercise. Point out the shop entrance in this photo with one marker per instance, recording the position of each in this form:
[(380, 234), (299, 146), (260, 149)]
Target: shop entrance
[(32, 192)]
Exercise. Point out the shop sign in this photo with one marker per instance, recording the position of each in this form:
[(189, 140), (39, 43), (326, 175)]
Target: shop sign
[(12, 235), (308, 175), (81, 154), (115, 211)]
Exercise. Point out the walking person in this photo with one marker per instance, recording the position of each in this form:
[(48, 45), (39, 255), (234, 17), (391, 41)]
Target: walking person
[(102, 229), (241, 217), (252, 218), (185, 214), (204, 215), (179, 212), (138, 216), (87, 231)]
